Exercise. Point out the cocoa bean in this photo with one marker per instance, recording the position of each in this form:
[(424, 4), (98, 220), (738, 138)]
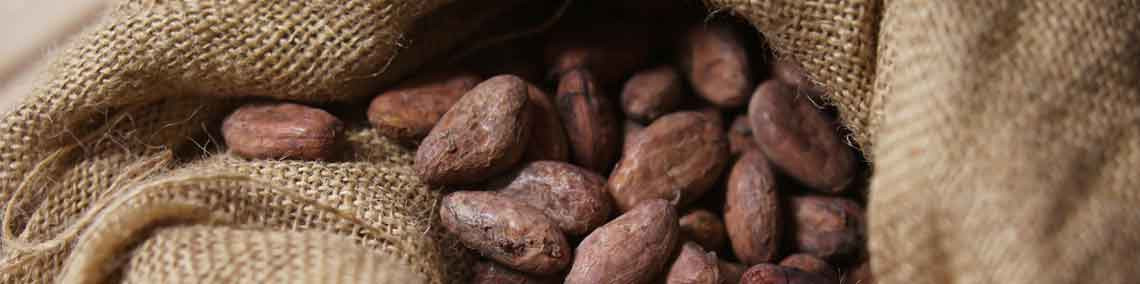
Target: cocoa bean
[(651, 93), (694, 266), (633, 248), (483, 134), (281, 130), (716, 63), (765, 273), (830, 228), (573, 197), (548, 137), (590, 121), (505, 230), (703, 227), (408, 112), (487, 272), (752, 210), (677, 158), (799, 139), (810, 263)]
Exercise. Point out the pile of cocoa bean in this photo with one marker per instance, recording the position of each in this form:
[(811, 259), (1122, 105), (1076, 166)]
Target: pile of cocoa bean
[(607, 159)]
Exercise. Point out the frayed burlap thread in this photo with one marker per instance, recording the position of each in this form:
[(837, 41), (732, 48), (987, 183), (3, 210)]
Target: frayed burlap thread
[(375, 202), (144, 85)]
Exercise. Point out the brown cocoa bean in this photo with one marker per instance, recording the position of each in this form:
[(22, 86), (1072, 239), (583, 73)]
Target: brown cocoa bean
[(765, 273), (630, 129), (799, 139), (506, 231), (752, 214), (730, 271), (483, 134), (677, 158), (573, 197), (714, 58), (280, 130), (548, 137), (810, 263), (487, 272), (610, 51), (740, 139), (408, 112), (651, 93), (694, 266), (704, 228), (590, 121), (633, 248), (828, 227)]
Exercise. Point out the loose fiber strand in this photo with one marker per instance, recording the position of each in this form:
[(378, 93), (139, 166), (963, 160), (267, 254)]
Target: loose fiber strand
[(143, 169), (9, 238)]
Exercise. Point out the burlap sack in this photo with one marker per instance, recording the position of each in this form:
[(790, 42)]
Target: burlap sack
[(1002, 134)]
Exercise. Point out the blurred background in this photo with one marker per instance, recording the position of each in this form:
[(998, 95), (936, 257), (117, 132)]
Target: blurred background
[(29, 31)]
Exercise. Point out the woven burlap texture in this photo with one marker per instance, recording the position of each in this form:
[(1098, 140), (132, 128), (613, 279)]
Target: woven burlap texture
[(117, 142), (264, 257), (1002, 132), (1009, 149)]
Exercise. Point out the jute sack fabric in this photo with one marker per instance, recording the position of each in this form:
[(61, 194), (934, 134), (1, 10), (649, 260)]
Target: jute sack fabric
[(117, 145), (1002, 135), (1010, 144)]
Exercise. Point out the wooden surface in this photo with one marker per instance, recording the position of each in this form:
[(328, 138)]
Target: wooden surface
[(29, 31)]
